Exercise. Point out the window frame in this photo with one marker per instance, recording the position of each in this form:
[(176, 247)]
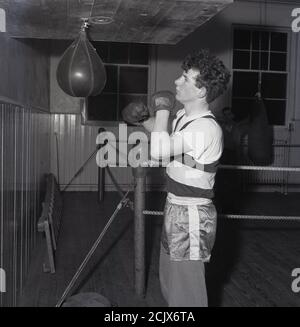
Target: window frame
[(290, 69), (151, 86)]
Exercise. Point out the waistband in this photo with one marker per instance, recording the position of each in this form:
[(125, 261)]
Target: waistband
[(182, 200)]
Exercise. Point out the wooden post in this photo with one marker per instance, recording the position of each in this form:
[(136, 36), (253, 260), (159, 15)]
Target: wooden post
[(139, 229)]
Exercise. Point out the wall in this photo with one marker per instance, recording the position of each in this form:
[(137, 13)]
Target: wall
[(215, 35), (24, 154)]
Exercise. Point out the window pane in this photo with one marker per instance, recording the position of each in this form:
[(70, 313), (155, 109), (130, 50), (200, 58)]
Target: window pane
[(241, 39), (245, 84), (112, 79), (264, 56), (260, 60), (133, 80), (276, 111), (274, 85), (255, 60), (102, 50), (102, 107), (241, 59), (118, 53), (260, 40), (241, 108), (138, 54), (125, 99), (277, 61), (264, 40), (278, 41), (255, 40)]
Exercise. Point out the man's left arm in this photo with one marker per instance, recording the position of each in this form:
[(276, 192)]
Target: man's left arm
[(162, 145)]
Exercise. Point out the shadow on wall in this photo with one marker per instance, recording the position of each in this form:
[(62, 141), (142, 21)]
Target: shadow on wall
[(59, 46), (24, 66)]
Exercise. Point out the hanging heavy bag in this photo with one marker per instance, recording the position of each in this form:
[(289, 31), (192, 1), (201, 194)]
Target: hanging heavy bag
[(260, 136), (80, 72)]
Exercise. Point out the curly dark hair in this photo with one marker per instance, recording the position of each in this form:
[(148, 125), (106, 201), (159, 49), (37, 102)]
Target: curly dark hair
[(214, 76)]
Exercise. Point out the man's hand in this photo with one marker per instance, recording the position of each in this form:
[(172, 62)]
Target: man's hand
[(162, 100), (135, 113)]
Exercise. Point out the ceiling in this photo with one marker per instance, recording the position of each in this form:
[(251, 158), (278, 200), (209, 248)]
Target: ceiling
[(137, 21)]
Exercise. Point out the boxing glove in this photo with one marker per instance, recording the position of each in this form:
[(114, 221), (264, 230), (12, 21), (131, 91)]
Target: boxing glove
[(162, 100), (135, 113)]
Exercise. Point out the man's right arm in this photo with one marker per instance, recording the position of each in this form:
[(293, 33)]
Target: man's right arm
[(149, 124)]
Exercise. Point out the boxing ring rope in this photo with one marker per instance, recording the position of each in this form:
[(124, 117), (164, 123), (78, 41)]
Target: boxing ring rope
[(140, 212), (254, 217), (242, 167)]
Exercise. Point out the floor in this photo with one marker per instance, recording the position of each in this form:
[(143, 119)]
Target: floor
[(251, 264)]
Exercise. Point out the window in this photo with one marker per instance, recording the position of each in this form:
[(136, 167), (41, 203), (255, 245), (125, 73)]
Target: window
[(260, 59), (127, 68)]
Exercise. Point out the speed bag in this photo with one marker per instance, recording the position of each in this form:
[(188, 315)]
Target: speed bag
[(80, 72), (260, 136)]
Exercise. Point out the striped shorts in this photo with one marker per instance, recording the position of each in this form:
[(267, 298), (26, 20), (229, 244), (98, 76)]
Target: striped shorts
[(189, 231)]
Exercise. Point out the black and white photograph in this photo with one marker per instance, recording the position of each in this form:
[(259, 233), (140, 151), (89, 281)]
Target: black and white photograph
[(149, 156)]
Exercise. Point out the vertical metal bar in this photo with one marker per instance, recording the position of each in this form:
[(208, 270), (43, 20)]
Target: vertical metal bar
[(101, 183), (57, 158), (26, 184), (10, 204), (15, 204), (1, 190), (287, 155), (101, 175), (139, 229)]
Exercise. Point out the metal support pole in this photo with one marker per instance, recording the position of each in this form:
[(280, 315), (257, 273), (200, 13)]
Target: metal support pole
[(139, 229), (101, 183)]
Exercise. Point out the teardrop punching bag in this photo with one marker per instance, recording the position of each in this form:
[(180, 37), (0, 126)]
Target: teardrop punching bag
[(260, 136), (80, 72)]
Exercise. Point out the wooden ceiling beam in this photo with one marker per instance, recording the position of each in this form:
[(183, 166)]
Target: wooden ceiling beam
[(140, 21)]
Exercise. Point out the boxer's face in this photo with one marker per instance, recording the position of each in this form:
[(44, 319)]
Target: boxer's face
[(186, 89)]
